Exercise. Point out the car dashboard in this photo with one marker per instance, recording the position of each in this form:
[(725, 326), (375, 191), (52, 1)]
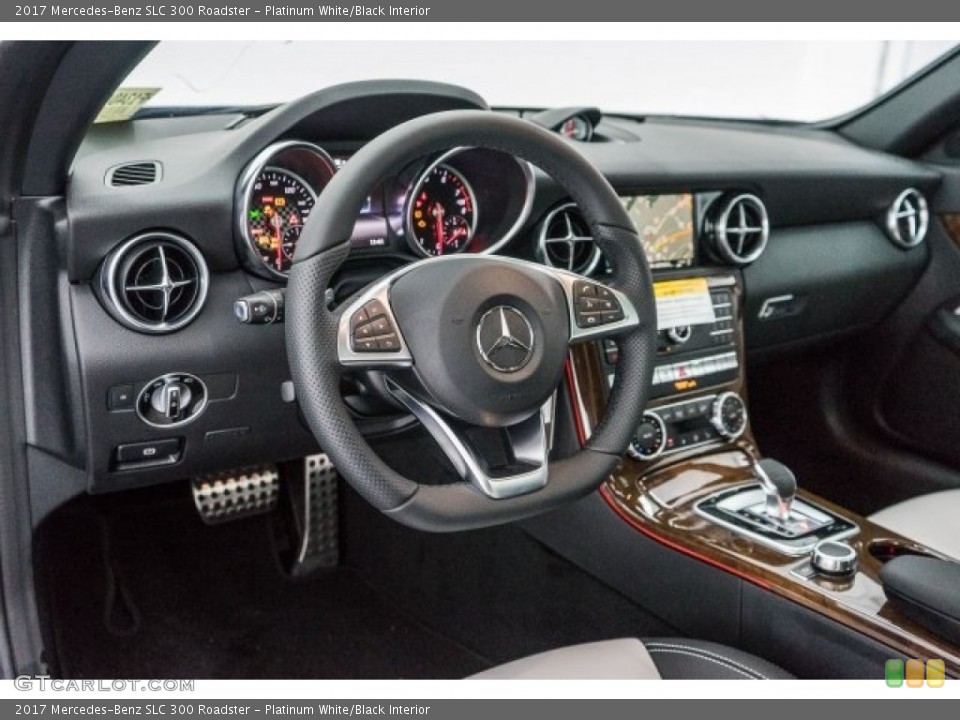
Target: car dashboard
[(169, 221)]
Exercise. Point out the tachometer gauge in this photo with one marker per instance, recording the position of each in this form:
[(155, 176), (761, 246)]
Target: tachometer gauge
[(441, 212), (278, 206)]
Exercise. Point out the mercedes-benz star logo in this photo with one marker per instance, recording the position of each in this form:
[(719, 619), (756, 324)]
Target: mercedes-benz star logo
[(505, 339)]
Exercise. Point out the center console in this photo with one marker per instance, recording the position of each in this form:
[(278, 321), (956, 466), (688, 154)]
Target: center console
[(695, 481)]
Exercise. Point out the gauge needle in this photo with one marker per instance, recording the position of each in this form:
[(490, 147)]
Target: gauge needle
[(277, 223), (438, 219)]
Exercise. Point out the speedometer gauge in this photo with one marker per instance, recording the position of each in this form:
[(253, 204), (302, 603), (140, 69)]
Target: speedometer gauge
[(441, 212), (275, 195), (280, 203)]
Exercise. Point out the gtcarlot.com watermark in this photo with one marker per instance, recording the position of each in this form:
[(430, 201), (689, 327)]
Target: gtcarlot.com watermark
[(45, 683)]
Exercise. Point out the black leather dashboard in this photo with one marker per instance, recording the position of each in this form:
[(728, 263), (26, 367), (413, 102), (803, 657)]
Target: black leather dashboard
[(826, 199)]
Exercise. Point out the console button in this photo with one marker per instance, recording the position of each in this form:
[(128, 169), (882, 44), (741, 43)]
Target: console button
[(121, 397), (159, 452)]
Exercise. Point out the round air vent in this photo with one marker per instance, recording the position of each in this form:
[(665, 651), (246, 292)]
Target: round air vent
[(565, 241), (908, 219), (154, 283), (740, 229)]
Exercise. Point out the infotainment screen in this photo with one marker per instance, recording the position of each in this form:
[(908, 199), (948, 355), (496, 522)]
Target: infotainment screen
[(665, 226)]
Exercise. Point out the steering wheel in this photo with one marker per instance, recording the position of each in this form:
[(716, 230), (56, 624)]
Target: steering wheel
[(470, 343)]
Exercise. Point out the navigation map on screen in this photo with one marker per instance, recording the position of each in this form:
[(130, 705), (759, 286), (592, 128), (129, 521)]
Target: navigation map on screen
[(665, 226)]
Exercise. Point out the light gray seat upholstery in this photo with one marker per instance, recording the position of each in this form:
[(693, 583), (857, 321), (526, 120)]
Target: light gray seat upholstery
[(631, 659), (930, 520)]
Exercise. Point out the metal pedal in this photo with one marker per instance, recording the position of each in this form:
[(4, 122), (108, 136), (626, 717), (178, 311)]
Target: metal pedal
[(313, 495), (234, 494)]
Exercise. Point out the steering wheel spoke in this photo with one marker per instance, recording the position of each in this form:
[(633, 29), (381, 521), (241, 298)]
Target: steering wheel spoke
[(522, 449), (368, 335)]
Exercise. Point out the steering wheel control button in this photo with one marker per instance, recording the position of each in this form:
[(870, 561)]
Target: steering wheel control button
[(121, 397), (832, 557), (505, 339), (372, 330), (388, 343), (172, 400), (159, 452), (595, 305)]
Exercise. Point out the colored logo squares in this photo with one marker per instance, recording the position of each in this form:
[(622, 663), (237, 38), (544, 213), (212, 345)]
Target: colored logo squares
[(896, 672)]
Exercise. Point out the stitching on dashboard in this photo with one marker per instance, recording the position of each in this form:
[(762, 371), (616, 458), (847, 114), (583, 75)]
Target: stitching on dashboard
[(707, 655)]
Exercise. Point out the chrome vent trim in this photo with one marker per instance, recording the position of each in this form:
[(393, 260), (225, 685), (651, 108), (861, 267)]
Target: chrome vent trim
[(741, 229), (154, 283), (133, 174), (565, 241), (908, 219)]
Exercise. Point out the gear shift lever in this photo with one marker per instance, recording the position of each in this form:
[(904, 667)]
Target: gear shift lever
[(779, 485)]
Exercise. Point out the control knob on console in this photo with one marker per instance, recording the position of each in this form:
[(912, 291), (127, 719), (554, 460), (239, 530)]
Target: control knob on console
[(650, 440), (729, 416), (832, 557), (680, 334), (172, 400)]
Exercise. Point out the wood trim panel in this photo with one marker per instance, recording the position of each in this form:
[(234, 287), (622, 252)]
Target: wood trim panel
[(661, 504)]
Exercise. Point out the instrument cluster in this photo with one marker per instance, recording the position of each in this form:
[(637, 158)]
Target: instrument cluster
[(466, 200)]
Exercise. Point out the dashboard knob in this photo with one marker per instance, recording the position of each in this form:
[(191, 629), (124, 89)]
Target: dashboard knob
[(171, 400), (650, 440), (729, 416), (832, 557), (679, 335)]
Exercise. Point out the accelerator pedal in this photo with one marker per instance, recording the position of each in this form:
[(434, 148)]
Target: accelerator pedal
[(233, 494), (313, 498)]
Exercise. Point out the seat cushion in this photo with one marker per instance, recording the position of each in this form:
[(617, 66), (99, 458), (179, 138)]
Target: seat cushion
[(630, 659), (930, 520), (683, 659), (623, 659)]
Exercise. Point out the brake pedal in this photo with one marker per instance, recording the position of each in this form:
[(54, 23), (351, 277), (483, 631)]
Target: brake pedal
[(313, 496), (233, 494)]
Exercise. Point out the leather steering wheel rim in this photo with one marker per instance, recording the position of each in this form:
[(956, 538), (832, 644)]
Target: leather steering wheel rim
[(312, 329)]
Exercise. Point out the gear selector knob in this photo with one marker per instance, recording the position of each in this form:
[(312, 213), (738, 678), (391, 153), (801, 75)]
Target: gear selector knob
[(779, 485)]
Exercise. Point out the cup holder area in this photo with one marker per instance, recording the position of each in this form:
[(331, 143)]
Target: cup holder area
[(887, 550)]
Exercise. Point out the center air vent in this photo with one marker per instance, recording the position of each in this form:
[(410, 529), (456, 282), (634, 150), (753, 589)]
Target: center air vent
[(740, 229), (908, 219), (565, 241), (141, 173), (154, 283)]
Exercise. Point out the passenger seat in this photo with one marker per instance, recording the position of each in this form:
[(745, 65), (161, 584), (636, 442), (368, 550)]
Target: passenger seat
[(930, 520)]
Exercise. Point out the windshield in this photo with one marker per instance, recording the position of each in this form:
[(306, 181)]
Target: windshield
[(794, 81)]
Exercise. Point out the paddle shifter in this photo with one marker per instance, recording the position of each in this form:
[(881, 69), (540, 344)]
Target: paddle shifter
[(779, 485)]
